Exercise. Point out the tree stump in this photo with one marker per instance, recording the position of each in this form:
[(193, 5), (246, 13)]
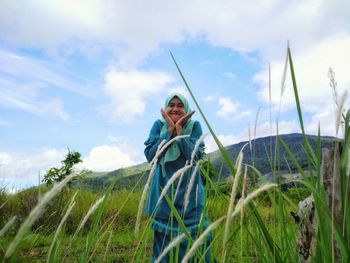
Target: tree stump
[(307, 220), (307, 216)]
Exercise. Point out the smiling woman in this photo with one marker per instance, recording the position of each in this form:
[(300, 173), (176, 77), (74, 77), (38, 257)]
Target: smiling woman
[(187, 192), (175, 109)]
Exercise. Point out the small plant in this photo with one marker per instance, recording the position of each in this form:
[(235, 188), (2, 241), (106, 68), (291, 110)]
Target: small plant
[(55, 174)]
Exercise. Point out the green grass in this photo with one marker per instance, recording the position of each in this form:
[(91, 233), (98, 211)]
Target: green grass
[(35, 247), (123, 242)]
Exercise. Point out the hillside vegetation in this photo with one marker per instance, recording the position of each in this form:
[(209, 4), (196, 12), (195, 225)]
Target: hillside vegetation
[(258, 155)]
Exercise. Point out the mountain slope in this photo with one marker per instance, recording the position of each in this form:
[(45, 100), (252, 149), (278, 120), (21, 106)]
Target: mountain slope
[(264, 148), (261, 149)]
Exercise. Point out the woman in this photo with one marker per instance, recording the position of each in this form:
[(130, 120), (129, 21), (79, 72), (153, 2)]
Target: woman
[(176, 121)]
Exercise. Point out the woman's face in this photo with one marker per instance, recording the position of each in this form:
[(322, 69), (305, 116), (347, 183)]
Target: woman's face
[(175, 109)]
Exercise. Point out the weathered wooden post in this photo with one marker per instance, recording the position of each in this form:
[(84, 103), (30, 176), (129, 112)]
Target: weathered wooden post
[(330, 172), (307, 216)]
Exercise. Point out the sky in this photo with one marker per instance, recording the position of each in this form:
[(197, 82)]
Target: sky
[(92, 75)]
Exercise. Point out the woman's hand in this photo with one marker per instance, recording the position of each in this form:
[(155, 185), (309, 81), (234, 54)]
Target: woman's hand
[(171, 124), (181, 122)]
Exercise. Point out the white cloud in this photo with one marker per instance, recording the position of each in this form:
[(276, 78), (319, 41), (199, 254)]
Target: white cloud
[(227, 107), (55, 107), (136, 28), (230, 75), (121, 142), (22, 169), (26, 84), (106, 158), (34, 74), (14, 97), (208, 98), (245, 113), (311, 71), (323, 114), (5, 158), (129, 90), (284, 127)]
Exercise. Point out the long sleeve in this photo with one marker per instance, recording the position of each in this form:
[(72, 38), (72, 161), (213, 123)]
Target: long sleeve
[(187, 145), (154, 140)]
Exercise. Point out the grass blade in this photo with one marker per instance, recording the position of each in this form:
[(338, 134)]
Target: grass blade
[(222, 149), (34, 214)]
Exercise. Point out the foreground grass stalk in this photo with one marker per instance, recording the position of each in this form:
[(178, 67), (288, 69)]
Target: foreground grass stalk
[(8, 225), (161, 148), (222, 149), (190, 186), (179, 183), (251, 196), (34, 214), (140, 239), (107, 246), (147, 185), (232, 200), (344, 178), (300, 115), (244, 186), (99, 240), (51, 256), (196, 146), (253, 177), (88, 214), (333, 199), (171, 245), (214, 225), (201, 239), (143, 197), (176, 175), (92, 234), (269, 246), (283, 82), (339, 113), (4, 203)]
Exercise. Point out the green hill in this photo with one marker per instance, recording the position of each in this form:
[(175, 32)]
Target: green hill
[(126, 178), (263, 152), (258, 152)]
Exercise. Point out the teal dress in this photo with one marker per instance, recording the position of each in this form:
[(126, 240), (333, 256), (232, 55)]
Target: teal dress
[(165, 227)]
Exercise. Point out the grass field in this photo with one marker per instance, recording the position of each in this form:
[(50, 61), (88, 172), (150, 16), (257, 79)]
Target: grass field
[(250, 222), (123, 242)]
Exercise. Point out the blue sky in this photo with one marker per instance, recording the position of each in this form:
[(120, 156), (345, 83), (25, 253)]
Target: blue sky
[(93, 75)]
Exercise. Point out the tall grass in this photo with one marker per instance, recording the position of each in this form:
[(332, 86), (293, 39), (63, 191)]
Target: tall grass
[(324, 251), (98, 226), (329, 234), (34, 214)]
